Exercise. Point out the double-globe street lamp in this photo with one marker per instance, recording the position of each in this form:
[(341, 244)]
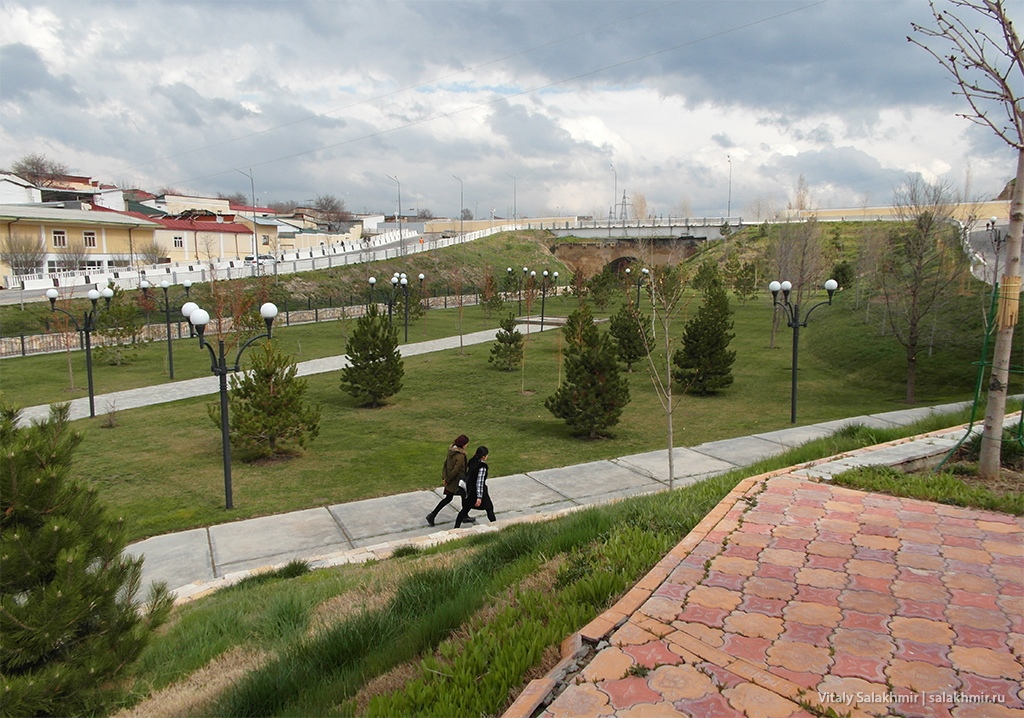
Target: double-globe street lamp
[(794, 321), (199, 318), (639, 279), (398, 280), (165, 285), (87, 327), (544, 293)]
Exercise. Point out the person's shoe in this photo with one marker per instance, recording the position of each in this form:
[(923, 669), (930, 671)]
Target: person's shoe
[(430, 519), (470, 520)]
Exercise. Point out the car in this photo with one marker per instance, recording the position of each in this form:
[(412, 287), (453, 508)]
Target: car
[(263, 259)]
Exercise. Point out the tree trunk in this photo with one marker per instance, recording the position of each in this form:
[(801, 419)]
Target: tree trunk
[(995, 412)]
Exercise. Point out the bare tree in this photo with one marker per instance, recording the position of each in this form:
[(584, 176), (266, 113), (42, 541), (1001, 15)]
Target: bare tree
[(920, 265), (795, 254), (150, 253), (71, 257), (332, 210), (40, 170), (987, 64), (23, 253), (639, 205)]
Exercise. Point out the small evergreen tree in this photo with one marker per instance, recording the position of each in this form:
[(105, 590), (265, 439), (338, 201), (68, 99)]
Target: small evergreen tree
[(375, 367), (594, 393), (268, 409), (707, 274), (490, 295), (632, 334), (507, 352), (120, 325), (601, 286), (69, 623), (579, 329), (703, 364), (744, 285)]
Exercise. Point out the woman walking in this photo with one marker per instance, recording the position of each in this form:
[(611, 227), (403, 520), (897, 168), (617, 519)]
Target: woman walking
[(453, 471), (477, 496)]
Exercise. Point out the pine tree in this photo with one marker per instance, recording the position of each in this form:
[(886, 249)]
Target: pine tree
[(268, 409), (375, 367), (507, 352), (69, 623), (632, 334), (704, 363), (579, 329), (594, 393)]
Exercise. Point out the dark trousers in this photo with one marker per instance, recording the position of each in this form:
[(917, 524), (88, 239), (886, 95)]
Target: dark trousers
[(467, 506), (445, 500)]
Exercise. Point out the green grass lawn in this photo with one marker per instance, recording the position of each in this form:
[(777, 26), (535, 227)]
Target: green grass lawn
[(167, 474)]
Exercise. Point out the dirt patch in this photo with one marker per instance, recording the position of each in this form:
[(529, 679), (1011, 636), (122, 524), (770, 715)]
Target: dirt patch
[(1009, 481), (192, 695)]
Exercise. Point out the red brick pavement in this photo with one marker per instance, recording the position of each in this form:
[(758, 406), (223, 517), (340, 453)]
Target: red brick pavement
[(793, 597)]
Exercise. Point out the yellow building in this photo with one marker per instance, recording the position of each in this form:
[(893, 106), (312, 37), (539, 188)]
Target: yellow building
[(69, 239)]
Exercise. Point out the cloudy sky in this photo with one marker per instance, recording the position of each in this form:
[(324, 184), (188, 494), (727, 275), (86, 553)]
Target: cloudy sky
[(698, 106)]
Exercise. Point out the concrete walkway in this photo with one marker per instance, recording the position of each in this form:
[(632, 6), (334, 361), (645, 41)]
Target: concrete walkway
[(197, 561)]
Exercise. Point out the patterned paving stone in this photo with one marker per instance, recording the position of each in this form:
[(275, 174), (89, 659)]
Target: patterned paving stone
[(628, 692), (862, 643), (676, 683), (867, 668), (756, 702), (867, 602), (917, 591), (609, 664), (920, 609), (799, 657), (652, 655), (713, 705), (714, 597), (802, 633), (977, 618), (934, 653), (986, 662), (923, 630), (812, 614), (920, 676), (581, 701)]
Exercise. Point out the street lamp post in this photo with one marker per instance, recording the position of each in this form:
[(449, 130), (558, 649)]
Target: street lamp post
[(543, 297), (639, 280), (165, 285), (728, 207), (515, 209), (615, 192), (795, 322), (404, 281), (423, 297), (401, 239), (199, 318), (87, 327), (998, 240), (462, 205), (522, 281)]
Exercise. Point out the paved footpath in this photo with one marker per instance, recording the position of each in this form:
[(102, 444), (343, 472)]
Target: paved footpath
[(795, 597), (197, 561)]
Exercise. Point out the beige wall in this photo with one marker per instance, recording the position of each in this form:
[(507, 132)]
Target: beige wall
[(982, 212)]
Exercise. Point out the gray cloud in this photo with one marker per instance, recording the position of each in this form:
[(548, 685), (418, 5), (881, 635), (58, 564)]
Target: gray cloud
[(23, 73)]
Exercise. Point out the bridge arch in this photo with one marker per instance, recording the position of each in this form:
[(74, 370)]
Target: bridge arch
[(592, 257)]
